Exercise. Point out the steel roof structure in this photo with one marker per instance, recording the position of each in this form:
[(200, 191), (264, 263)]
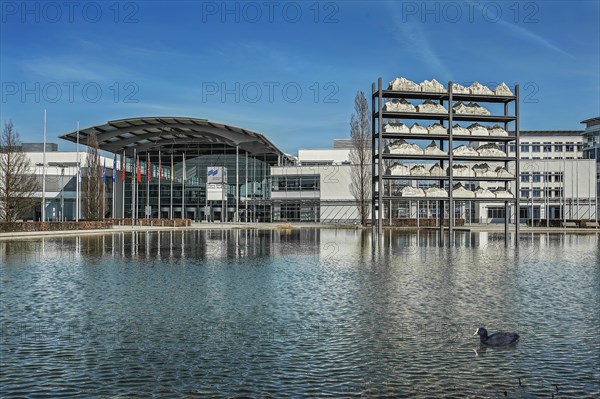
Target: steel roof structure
[(178, 135)]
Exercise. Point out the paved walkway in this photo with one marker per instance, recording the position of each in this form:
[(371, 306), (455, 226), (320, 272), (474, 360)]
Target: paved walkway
[(279, 226)]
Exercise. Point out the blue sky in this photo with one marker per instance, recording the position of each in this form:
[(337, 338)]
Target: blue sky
[(289, 70)]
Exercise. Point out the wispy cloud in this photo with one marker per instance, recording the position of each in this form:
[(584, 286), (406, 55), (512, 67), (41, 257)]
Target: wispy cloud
[(72, 68), (523, 33), (412, 36)]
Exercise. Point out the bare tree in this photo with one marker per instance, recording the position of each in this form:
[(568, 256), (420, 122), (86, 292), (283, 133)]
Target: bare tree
[(93, 184), (360, 156), (18, 185)]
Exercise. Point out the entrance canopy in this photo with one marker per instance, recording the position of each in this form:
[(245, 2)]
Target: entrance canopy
[(179, 135)]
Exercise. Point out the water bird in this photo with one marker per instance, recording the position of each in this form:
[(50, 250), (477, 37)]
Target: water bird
[(496, 339)]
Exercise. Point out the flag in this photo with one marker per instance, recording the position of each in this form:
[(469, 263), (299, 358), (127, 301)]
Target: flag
[(104, 171), (123, 167), (171, 166), (115, 168), (149, 169), (159, 168), (139, 171)]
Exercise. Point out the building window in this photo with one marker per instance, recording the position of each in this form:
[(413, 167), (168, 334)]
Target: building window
[(496, 213), (558, 147), (570, 147), (537, 178), (546, 177), (511, 148), (537, 193), (502, 147), (525, 193), (296, 183), (547, 148), (524, 148), (535, 148), (525, 177), (297, 211), (558, 178)]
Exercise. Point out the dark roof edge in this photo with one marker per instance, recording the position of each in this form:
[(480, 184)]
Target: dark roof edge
[(591, 119)]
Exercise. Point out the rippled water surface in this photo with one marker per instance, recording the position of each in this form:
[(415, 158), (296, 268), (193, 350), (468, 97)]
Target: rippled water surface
[(302, 313)]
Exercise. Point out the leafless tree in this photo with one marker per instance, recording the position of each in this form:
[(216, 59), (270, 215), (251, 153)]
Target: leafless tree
[(18, 185), (92, 183), (360, 156)]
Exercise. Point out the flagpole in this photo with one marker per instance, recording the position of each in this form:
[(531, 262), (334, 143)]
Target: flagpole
[(114, 180), (133, 173), (77, 206), (148, 186), (137, 188), (44, 173), (159, 179), (246, 191), (183, 191), (104, 190), (171, 211), (123, 162)]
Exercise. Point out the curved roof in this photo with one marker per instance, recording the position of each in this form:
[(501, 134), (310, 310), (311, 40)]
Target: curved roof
[(149, 135)]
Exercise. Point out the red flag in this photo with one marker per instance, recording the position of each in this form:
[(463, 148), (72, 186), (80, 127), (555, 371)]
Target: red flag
[(139, 171), (149, 169), (123, 167), (159, 168)]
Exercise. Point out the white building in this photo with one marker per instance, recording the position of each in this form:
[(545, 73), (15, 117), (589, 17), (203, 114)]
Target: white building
[(554, 176), (61, 180), (556, 183), (591, 148)]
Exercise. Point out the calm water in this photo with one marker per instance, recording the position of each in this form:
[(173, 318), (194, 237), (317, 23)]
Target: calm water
[(311, 313)]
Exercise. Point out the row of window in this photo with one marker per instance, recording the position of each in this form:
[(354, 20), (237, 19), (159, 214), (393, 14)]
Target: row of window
[(537, 193), (297, 212), (547, 157), (297, 183), (538, 177), (541, 147)]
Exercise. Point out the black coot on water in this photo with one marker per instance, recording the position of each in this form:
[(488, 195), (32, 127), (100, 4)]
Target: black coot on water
[(496, 339)]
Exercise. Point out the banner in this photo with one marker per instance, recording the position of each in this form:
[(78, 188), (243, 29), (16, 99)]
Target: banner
[(123, 167), (159, 167), (114, 172), (139, 171)]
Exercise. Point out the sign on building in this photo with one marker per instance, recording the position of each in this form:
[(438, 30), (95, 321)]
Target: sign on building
[(216, 180), (216, 174)]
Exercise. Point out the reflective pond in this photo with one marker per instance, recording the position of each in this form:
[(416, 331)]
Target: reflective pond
[(298, 313)]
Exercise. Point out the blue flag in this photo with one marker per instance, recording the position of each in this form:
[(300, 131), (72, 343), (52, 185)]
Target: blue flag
[(115, 168)]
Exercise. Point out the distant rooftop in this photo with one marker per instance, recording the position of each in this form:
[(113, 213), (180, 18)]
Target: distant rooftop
[(551, 132), (592, 121), (39, 147), (342, 144)]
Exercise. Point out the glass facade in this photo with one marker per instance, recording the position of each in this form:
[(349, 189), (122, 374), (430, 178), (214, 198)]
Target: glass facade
[(296, 183), (296, 211), (183, 191)]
